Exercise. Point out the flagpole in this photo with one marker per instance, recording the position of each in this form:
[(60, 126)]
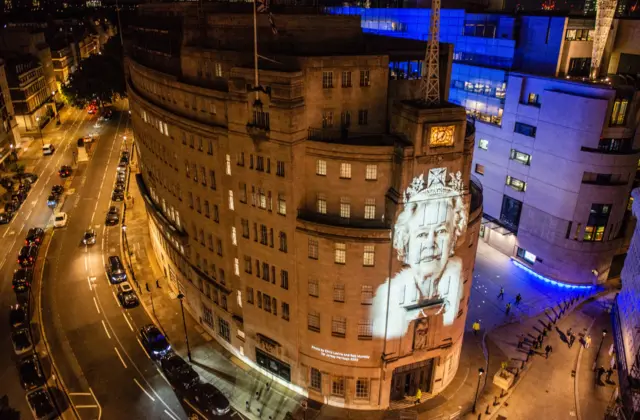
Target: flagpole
[(255, 47)]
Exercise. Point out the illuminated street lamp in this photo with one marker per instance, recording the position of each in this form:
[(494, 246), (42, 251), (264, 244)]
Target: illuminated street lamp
[(184, 323), (604, 334), (475, 401)]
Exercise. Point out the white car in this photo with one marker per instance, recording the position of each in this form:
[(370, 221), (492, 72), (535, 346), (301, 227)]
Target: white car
[(60, 220)]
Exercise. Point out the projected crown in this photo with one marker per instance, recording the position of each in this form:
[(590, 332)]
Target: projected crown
[(436, 185)]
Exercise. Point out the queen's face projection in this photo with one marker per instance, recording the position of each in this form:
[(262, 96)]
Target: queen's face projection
[(425, 236)]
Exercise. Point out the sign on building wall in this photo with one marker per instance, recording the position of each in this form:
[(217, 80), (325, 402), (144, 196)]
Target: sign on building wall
[(430, 282)]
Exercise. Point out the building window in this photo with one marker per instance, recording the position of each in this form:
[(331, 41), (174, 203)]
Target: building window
[(597, 223), (365, 81), (525, 129), (250, 295), (579, 67), (313, 287), (345, 170), (371, 173), (210, 147), (479, 169), (260, 163), (285, 311), (259, 299), (327, 79), (236, 266), (516, 184), (321, 167), (282, 204), (247, 264), (234, 239), (362, 389), (284, 279), (280, 168), (339, 326), (345, 207), (370, 208), (266, 302), (366, 295), (321, 204), (212, 179), (223, 329), (219, 246), (510, 212), (483, 144), (283, 242), (338, 293), (533, 99), (619, 112), (245, 228), (369, 256), (208, 316), (526, 255), (218, 69), (345, 119), (228, 165), (346, 79), (327, 119), (187, 169), (313, 321), (523, 158), (240, 159), (216, 214), (341, 253), (315, 379), (363, 117), (231, 200)]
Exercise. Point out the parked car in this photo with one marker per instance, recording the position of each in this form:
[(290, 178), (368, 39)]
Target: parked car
[(22, 280), (28, 255), (89, 237), (108, 114), (25, 187), (117, 195), (116, 271), (124, 156), (65, 171), (41, 405), (127, 296), (19, 197), (154, 342), (121, 177), (57, 190), (31, 177), (6, 182), (179, 373), (210, 400), (21, 341), (34, 236), (113, 216), (12, 206), (18, 317), (52, 201), (31, 376), (60, 220), (6, 217)]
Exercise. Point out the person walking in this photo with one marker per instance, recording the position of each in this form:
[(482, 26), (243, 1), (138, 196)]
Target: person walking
[(418, 396), (572, 338), (501, 294), (609, 373), (476, 327), (601, 372), (508, 309), (520, 341), (587, 341), (518, 299), (548, 350)]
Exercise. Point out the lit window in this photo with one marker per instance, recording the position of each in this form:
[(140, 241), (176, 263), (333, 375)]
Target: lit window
[(338, 326), (341, 253), (370, 208), (313, 287), (321, 167), (366, 295), (619, 112), (369, 255), (362, 388), (346, 79), (345, 207), (315, 379), (483, 144), (327, 119), (337, 386), (345, 170), (365, 81), (523, 158), (282, 204), (234, 239), (313, 321), (218, 69), (526, 255), (327, 79), (596, 225), (371, 173), (230, 199), (533, 99), (321, 204), (516, 184), (338, 292), (479, 169), (236, 266), (228, 165)]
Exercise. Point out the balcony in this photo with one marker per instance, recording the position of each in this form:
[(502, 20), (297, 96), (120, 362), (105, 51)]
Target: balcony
[(334, 220)]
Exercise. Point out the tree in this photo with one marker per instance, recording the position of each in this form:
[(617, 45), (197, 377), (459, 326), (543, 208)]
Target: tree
[(100, 77)]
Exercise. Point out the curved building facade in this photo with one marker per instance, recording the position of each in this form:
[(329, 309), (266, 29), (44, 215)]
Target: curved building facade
[(322, 227)]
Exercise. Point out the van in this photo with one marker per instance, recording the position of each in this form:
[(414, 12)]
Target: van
[(116, 271), (48, 149)]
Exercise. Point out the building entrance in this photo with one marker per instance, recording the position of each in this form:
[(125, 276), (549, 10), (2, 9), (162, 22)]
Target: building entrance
[(407, 379)]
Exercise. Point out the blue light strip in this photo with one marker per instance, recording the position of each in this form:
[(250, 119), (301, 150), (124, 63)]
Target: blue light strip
[(547, 280)]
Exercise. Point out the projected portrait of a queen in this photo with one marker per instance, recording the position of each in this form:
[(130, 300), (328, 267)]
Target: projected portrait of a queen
[(434, 217)]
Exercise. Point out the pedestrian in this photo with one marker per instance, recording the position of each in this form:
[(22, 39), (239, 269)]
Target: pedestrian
[(587, 341), (569, 332), (544, 333), (609, 373), (520, 341), (601, 372), (476, 327), (572, 338), (501, 294), (518, 298), (508, 308), (548, 350), (418, 396), (540, 338), (530, 354)]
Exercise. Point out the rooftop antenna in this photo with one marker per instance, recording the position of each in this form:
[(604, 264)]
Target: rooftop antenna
[(430, 83)]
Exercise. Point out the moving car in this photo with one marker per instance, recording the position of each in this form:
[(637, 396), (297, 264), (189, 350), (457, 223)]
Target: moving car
[(113, 216), (41, 405), (31, 376), (28, 255), (117, 273), (127, 296), (21, 341), (57, 190), (154, 342), (52, 201), (87, 139), (180, 374), (48, 149), (108, 114), (17, 317), (89, 237), (210, 400), (60, 220), (22, 280), (34, 236), (65, 171), (6, 217)]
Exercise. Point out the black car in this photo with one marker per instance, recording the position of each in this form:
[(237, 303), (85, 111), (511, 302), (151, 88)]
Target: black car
[(34, 236), (21, 341), (65, 171), (41, 406), (6, 217), (154, 341), (52, 201), (210, 400), (12, 206), (127, 296), (180, 373), (117, 195), (30, 374), (124, 157), (19, 197), (28, 255), (6, 182), (57, 190), (108, 114), (122, 177), (89, 237), (25, 187), (113, 216), (26, 176), (22, 280), (120, 185), (117, 273), (17, 316)]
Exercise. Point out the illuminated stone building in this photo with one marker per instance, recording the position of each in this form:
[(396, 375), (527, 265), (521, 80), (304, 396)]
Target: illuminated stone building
[(281, 213)]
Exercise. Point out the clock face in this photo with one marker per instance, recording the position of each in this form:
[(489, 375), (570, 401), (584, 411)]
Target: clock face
[(442, 136)]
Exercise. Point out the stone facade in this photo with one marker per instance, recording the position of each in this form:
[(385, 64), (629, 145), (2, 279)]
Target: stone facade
[(274, 211)]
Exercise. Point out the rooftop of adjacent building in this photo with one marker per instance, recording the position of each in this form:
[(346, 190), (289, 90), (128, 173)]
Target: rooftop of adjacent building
[(611, 82)]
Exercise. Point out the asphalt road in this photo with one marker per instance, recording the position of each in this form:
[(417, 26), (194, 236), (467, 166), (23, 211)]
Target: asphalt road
[(94, 342), (33, 213)]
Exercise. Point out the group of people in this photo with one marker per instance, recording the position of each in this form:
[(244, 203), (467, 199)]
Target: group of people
[(508, 306)]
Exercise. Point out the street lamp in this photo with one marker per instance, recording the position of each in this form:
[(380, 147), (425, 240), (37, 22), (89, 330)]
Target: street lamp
[(604, 334), (184, 323), (40, 130), (475, 401)]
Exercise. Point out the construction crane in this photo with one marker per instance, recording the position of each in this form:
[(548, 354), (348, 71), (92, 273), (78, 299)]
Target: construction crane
[(430, 83)]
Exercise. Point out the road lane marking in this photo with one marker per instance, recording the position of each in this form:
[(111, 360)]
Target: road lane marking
[(79, 393), (128, 323), (120, 357), (142, 347), (96, 303), (106, 330), (194, 409), (86, 406), (162, 374), (115, 297), (170, 415), (144, 390), (29, 215), (86, 261)]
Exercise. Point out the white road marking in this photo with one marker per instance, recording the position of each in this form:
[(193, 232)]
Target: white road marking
[(144, 390), (143, 349), (115, 297), (162, 374), (86, 406), (96, 303), (170, 415), (194, 409), (106, 330), (79, 393), (126, 319), (29, 215), (89, 281), (121, 359)]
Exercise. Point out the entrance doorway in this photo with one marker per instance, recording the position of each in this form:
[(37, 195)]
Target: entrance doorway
[(407, 379)]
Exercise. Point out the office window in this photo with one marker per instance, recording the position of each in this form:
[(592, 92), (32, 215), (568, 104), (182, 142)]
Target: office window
[(212, 179), (240, 159), (236, 266), (280, 168), (285, 311), (260, 163), (250, 295), (479, 169), (533, 99), (315, 379), (203, 175), (242, 189), (269, 201), (265, 271), (327, 119), (245, 228), (284, 279), (223, 329), (219, 246), (195, 172), (247, 264), (516, 184), (206, 209), (345, 207), (198, 206), (598, 220), (313, 248), (371, 173), (263, 234), (218, 69), (262, 199), (231, 207), (525, 129), (362, 389), (345, 170), (366, 294), (338, 292), (483, 144), (283, 242), (321, 204), (271, 237), (282, 204), (313, 321), (340, 253), (327, 79), (369, 256), (365, 81), (234, 239), (321, 167), (187, 169), (369, 208), (520, 157), (259, 299), (338, 326), (266, 302), (313, 287), (228, 164), (619, 112), (216, 214), (209, 146), (346, 79), (274, 306), (363, 117)]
